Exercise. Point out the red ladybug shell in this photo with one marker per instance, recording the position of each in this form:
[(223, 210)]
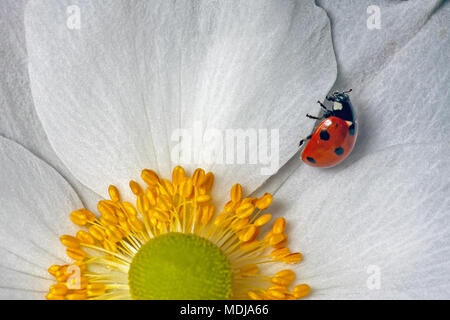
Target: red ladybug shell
[(331, 142)]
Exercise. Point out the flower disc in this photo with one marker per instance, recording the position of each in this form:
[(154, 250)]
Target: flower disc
[(180, 266)]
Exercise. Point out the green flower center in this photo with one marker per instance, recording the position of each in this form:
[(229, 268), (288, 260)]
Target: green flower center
[(180, 266)]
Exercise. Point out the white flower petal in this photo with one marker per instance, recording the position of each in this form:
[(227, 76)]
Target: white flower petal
[(400, 98), (19, 120), (362, 49), (36, 203), (15, 294), (388, 212), (399, 72), (111, 94)]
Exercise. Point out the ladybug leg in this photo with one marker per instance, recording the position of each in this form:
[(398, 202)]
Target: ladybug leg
[(313, 117), (303, 140), (323, 106), (326, 112)]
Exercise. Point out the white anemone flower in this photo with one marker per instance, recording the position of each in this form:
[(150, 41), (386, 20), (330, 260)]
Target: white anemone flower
[(97, 99)]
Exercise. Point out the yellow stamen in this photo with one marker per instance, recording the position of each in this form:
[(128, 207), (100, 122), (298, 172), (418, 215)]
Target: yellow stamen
[(302, 290), (278, 226), (69, 241), (264, 202), (114, 193), (104, 249), (236, 193), (82, 217), (263, 220)]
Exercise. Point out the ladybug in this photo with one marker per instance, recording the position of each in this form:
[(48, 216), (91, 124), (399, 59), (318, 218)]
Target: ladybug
[(334, 136)]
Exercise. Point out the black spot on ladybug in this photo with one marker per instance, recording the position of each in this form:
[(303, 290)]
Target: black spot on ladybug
[(352, 129), (311, 159), (339, 151), (324, 135)]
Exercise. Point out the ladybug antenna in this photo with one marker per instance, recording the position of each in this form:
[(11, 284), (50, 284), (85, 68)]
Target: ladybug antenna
[(348, 91)]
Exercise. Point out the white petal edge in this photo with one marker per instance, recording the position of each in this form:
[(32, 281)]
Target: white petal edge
[(389, 213), (36, 203), (111, 94)]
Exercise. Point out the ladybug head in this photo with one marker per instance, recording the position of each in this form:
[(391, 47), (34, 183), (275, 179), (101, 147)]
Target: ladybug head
[(339, 96)]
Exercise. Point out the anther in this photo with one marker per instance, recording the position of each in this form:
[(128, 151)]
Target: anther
[(264, 202), (302, 290), (76, 254), (69, 241), (85, 237), (292, 258), (114, 193), (178, 175), (249, 234), (283, 278), (245, 210), (150, 177), (135, 188), (278, 226), (97, 232), (236, 193), (277, 238), (203, 199), (82, 216), (198, 177), (262, 220)]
